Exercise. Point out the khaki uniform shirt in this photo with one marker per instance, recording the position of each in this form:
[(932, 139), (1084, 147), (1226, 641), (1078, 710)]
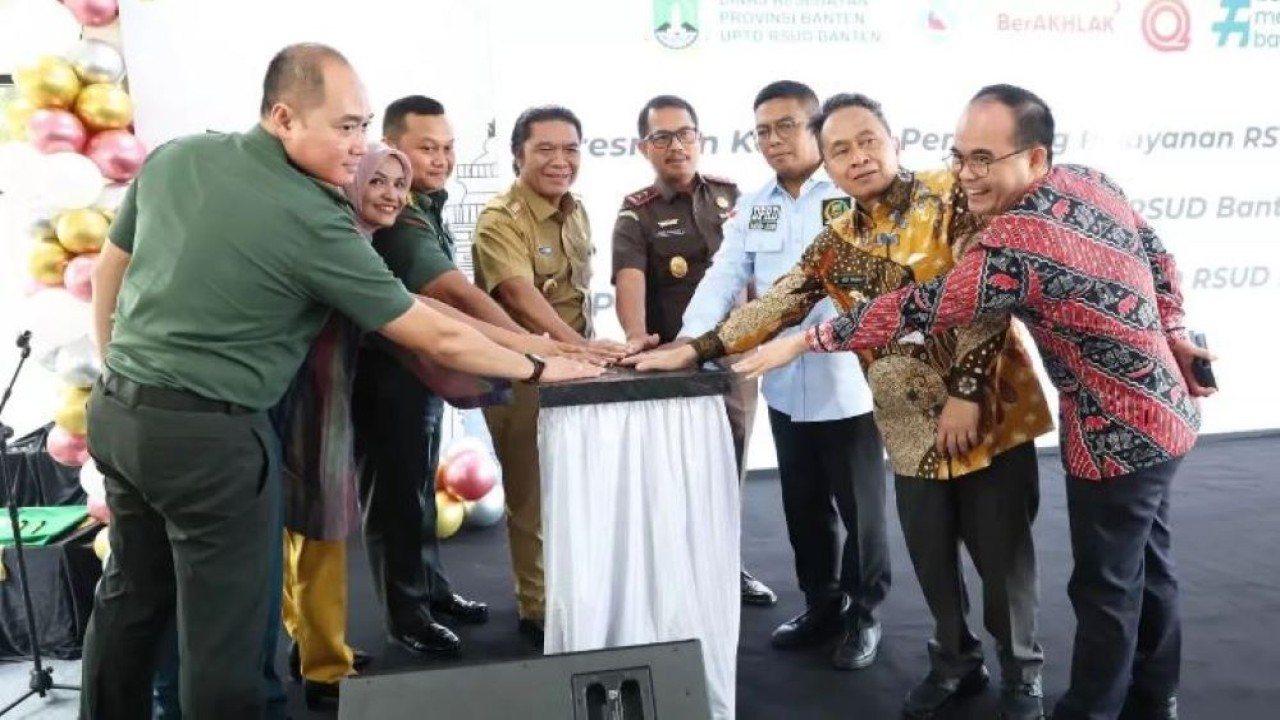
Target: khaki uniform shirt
[(520, 234)]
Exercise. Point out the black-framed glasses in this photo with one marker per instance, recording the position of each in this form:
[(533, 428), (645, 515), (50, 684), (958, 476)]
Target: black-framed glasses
[(785, 128), (662, 139), (980, 166)]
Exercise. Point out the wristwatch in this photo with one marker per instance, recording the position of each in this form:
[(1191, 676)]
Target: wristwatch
[(538, 366)]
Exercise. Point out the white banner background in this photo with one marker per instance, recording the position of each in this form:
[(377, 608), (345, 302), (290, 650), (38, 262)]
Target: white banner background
[(1190, 133)]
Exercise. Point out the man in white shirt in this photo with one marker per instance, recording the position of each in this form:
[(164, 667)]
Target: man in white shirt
[(826, 439)]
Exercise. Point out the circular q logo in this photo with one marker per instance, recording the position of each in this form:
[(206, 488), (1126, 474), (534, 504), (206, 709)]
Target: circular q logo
[(1166, 25)]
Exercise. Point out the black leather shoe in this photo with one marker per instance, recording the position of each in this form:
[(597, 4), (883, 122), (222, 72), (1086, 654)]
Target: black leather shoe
[(755, 592), (534, 630), (811, 628), (320, 697), (1142, 708), (359, 661), (429, 639), (857, 648), (468, 612), (1022, 701), (935, 691)]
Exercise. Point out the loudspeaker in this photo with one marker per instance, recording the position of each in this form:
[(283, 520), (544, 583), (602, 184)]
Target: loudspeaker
[(642, 682)]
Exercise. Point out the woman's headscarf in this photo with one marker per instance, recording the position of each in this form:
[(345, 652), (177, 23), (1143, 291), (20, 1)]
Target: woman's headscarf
[(369, 164)]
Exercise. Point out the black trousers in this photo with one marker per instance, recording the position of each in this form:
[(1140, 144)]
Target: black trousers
[(1124, 591), (832, 473), (991, 512), (398, 429), (195, 527)]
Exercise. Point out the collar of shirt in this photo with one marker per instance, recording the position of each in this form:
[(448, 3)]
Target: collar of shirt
[(669, 192), (819, 181), (270, 146), (895, 199), (432, 200), (542, 208)]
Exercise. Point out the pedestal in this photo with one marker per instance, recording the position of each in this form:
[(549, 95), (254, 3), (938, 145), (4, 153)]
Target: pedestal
[(640, 517)]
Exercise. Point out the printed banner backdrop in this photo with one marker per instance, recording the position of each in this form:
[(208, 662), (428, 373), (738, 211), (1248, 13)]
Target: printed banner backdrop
[(1165, 95)]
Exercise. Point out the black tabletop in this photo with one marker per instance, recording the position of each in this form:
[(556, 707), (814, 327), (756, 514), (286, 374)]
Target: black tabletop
[(621, 384)]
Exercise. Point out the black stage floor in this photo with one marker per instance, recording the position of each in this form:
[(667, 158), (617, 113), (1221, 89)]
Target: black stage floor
[(1226, 523)]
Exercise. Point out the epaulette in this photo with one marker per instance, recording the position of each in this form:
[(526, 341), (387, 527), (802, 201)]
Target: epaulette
[(642, 198), (508, 204), (718, 180)]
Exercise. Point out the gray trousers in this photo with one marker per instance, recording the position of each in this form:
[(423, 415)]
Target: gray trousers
[(990, 512)]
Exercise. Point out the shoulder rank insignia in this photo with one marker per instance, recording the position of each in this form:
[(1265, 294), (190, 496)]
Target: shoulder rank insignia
[(642, 198)]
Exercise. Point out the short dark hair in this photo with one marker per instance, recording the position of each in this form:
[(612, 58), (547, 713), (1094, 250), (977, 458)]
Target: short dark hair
[(296, 73), (524, 127), (841, 101), (787, 89), (396, 112), (658, 103), (1032, 116)]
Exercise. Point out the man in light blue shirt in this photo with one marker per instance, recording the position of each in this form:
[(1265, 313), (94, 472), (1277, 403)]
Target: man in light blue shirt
[(827, 442)]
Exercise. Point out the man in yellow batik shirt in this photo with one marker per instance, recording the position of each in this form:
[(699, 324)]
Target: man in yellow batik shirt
[(959, 411)]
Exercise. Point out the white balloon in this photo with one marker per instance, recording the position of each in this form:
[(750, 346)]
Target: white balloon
[(55, 318), (488, 510), (91, 481), (76, 363), (96, 61), (67, 181), (111, 196)]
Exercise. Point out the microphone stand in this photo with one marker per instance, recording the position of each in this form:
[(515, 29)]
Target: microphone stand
[(41, 677)]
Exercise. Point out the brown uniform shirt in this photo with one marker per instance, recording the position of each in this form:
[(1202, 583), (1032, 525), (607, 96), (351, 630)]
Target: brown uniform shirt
[(671, 237), (521, 235)]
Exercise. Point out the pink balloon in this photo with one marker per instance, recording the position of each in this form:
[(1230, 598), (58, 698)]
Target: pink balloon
[(78, 277), (117, 153), (68, 449), (94, 13), (99, 511), (55, 131), (470, 475)]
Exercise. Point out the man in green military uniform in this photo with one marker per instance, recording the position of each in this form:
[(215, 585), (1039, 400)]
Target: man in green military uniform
[(227, 255), (663, 242), (533, 254), (398, 419)]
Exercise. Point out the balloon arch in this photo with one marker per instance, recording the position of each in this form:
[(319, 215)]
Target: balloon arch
[(75, 154)]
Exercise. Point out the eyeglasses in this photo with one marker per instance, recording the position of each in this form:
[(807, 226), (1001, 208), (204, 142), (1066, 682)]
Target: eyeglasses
[(980, 166), (785, 128), (661, 139)]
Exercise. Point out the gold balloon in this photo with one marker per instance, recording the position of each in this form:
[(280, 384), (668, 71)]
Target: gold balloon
[(449, 515), (16, 114), (72, 417), (73, 395), (104, 106), (82, 231), (47, 262), (50, 82), (102, 544)]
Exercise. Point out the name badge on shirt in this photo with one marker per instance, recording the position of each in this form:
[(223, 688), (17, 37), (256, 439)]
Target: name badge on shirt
[(764, 217), (833, 208)]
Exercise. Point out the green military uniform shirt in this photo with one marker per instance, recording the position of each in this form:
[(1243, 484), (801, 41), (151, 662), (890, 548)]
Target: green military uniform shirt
[(237, 259), (671, 237), (521, 235), (419, 248)]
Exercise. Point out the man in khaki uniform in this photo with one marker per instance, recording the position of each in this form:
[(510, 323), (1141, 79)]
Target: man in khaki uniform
[(533, 254), (663, 241)]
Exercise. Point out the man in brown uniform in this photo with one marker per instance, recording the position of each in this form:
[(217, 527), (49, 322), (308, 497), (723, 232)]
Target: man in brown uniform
[(663, 242), (533, 254)]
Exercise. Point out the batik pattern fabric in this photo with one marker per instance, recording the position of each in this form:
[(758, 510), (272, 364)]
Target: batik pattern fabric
[(1098, 293), (911, 235), (313, 420)]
